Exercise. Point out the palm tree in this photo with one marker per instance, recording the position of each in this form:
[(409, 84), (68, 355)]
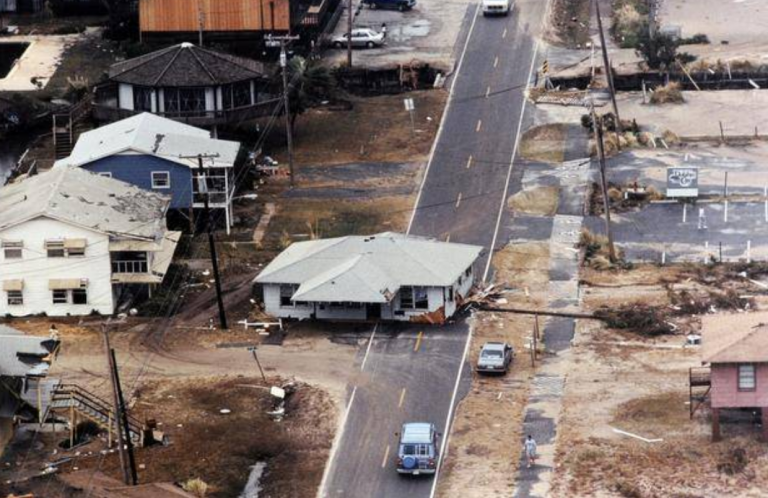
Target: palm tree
[(309, 84)]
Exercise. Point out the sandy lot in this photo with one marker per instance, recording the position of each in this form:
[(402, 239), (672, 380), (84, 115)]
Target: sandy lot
[(740, 23), (741, 111), (484, 444), (620, 380)]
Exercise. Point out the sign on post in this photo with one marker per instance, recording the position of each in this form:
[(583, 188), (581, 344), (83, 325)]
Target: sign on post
[(409, 105), (683, 182)]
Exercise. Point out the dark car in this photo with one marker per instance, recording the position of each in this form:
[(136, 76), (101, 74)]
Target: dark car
[(401, 5)]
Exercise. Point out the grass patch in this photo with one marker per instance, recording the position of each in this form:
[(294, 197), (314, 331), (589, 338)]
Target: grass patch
[(630, 20), (544, 143)]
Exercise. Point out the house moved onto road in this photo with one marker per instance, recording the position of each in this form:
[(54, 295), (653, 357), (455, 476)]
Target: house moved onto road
[(24, 362), (387, 276), (73, 242), (160, 154), (736, 349)]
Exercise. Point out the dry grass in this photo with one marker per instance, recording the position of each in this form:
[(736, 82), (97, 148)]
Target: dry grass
[(670, 93), (540, 201), (544, 143)]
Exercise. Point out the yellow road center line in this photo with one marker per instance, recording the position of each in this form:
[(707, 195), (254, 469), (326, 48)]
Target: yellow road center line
[(402, 398), (496, 61), (386, 457), (458, 200), (487, 92), (418, 339), (479, 125), (469, 162)]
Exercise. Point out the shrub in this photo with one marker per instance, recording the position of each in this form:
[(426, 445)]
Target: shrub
[(670, 93)]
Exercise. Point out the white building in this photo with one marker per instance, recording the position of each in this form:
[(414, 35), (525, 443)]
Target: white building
[(71, 240), (387, 276)]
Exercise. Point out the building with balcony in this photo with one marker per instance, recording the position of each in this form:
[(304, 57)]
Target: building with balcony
[(72, 242), (161, 155), (187, 83)]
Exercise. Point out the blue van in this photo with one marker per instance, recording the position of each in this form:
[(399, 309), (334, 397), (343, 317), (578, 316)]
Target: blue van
[(418, 449), (401, 5)]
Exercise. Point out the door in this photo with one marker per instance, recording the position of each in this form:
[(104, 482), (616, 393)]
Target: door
[(373, 311)]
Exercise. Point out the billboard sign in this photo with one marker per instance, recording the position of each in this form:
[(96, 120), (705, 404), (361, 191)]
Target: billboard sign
[(682, 182)]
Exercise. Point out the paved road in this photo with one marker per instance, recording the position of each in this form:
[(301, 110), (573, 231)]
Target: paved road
[(460, 200)]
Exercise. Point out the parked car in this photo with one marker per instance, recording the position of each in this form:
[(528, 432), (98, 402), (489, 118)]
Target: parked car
[(418, 449), (360, 38), (496, 7), (495, 357), (401, 5)]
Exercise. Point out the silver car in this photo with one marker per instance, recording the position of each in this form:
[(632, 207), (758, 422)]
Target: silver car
[(495, 357), (361, 38)]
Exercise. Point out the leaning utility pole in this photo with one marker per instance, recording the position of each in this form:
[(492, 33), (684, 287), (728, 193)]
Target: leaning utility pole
[(286, 99), (349, 34), (116, 407), (124, 420), (608, 73), (202, 187), (200, 23), (597, 122)]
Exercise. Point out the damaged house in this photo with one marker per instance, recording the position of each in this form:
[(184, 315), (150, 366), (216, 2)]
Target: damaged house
[(387, 276), (24, 363), (73, 242)]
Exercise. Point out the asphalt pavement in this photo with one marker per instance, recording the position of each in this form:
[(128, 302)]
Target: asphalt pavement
[(415, 373)]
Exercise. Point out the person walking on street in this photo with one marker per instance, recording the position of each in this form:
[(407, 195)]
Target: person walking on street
[(384, 29), (530, 451)]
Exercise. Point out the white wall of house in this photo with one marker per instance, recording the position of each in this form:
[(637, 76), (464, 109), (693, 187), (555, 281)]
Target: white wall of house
[(210, 99), (273, 307), (125, 96), (36, 269)]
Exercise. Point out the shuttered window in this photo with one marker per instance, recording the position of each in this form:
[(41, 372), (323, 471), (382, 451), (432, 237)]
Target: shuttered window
[(747, 378)]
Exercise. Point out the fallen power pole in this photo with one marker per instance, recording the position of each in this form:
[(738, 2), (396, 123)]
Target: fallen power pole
[(116, 408), (134, 479), (521, 311)]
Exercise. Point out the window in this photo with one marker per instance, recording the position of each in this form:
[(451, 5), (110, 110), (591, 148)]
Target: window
[(450, 293), (55, 249), (747, 379), (106, 174), (161, 179), (236, 95), (15, 298), (406, 298), (76, 252), (79, 296), (286, 292), (142, 98), (184, 101), (59, 296), (13, 250), (421, 301)]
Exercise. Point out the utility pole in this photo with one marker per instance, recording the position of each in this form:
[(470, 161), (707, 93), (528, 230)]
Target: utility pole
[(200, 23), (134, 479), (608, 73), (202, 187), (597, 122), (286, 99), (116, 407), (349, 34)]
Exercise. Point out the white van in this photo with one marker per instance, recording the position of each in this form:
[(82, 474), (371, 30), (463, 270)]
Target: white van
[(496, 7)]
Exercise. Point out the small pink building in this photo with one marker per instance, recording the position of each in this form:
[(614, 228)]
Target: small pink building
[(736, 349)]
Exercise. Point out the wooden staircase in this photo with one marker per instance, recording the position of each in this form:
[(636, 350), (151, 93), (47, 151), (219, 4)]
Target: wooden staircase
[(699, 385), (72, 400), (68, 125)]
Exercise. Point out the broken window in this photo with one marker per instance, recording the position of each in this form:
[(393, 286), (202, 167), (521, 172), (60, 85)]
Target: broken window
[(421, 300), (79, 296), (747, 381), (286, 292)]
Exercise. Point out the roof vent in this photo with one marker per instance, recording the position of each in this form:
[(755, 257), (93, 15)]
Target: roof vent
[(187, 45)]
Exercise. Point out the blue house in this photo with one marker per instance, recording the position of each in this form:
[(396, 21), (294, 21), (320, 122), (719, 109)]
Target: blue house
[(162, 155)]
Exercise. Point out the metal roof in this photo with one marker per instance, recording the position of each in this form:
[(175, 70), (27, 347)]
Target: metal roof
[(367, 269), (147, 133), (23, 355), (87, 200)]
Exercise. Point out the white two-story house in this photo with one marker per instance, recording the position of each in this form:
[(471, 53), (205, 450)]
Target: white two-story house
[(71, 241), (387, 276)]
